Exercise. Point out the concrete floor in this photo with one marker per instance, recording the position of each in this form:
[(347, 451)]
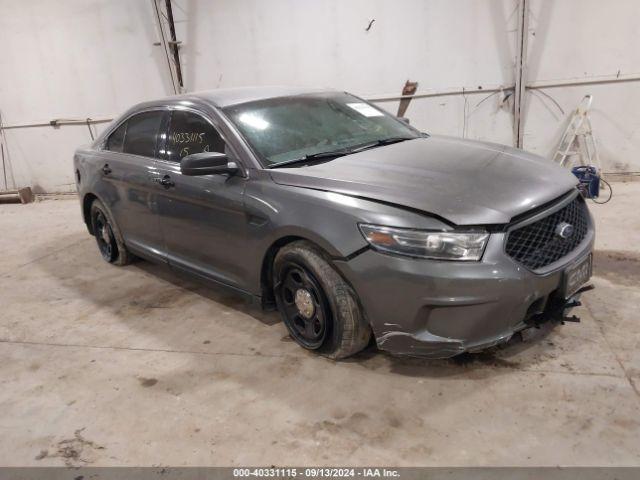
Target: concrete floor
[(102, 365)]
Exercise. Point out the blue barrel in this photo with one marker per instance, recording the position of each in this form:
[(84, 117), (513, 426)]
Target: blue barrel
[(589, 180)]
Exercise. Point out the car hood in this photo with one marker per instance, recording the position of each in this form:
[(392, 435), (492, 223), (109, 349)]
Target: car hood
[(465, 182)]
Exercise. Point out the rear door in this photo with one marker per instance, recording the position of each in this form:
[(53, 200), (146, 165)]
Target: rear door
[(202, 218), (130, 168)]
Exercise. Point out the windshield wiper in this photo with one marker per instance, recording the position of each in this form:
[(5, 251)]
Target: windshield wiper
[(379, 143), (333, 154), (312, 157)]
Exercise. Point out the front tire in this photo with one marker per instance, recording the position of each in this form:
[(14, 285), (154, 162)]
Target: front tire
[(108, 236), (319, 309)]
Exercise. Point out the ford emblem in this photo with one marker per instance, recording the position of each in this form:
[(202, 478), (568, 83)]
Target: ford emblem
[(564, 230)]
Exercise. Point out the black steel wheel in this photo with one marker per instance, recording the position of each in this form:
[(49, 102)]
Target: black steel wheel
[(319, 308), (108, 236), (305, 307), (104, 236)]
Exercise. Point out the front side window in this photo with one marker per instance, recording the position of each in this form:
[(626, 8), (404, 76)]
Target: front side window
[(190, 133), (284, 129), (142, 133)]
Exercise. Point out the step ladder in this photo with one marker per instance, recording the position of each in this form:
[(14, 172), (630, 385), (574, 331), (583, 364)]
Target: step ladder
[(578, 139)]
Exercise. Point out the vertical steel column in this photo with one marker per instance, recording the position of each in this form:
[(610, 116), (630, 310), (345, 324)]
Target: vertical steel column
[(520, 73), (169, 42), (174, 44)]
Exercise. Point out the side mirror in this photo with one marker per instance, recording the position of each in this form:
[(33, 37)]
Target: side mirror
[(207, 163), (404, 120)]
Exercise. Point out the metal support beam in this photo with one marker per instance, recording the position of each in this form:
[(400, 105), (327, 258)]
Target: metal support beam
[(166, 27), (520, 73), (581, 81), (58, 122), (174, 45), (441, 93)]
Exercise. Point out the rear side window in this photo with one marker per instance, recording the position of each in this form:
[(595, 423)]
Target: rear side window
[(115, 142), (142, 133), (190, 133)]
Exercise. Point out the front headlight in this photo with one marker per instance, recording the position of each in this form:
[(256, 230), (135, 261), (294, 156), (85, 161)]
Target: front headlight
[(420, 243)]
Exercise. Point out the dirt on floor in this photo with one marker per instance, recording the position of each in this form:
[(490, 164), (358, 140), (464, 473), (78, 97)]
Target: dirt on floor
[(620, 267), (136, 366)]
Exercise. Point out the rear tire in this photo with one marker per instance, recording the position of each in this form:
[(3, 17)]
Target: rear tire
[(320, 310), (108, 237)]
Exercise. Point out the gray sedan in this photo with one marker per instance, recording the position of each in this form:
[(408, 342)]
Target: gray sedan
[(350, 222)]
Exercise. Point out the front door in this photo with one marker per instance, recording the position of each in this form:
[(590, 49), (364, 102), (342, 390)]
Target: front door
[(202, 218)]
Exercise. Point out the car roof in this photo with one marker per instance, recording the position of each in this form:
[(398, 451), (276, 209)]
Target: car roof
[(222, 97), (232, 96), (225, 97)]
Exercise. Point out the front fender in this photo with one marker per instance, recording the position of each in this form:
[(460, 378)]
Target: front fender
[(328, 219)]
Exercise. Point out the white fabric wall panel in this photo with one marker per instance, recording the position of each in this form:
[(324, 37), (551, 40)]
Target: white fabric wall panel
[(94, 58)]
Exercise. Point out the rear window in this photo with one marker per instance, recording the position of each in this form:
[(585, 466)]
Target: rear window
[(115, 142), (142, 133)]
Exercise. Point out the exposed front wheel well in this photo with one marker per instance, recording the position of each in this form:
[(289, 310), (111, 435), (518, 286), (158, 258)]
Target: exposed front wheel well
[(266, 271), (87, 201)]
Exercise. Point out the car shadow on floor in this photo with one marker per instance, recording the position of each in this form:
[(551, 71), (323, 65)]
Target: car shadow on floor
[(512, 355), (505, 356), (218, 294)]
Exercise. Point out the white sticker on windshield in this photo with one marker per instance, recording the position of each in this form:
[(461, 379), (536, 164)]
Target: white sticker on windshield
[(366, 110)]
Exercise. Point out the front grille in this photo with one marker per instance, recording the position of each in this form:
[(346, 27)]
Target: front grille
[(538, 244)]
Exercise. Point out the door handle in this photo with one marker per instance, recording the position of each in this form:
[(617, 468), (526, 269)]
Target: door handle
[(166, 182), (106, 169)]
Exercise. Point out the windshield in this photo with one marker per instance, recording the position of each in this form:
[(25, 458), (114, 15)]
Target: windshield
[(288, 128)]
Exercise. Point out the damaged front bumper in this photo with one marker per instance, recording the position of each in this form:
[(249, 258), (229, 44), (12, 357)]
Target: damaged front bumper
[(440, 309)]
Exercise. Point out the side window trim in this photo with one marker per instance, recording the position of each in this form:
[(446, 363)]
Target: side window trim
[(163, 135), (124, 137), (103, 144), (165, 129)]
